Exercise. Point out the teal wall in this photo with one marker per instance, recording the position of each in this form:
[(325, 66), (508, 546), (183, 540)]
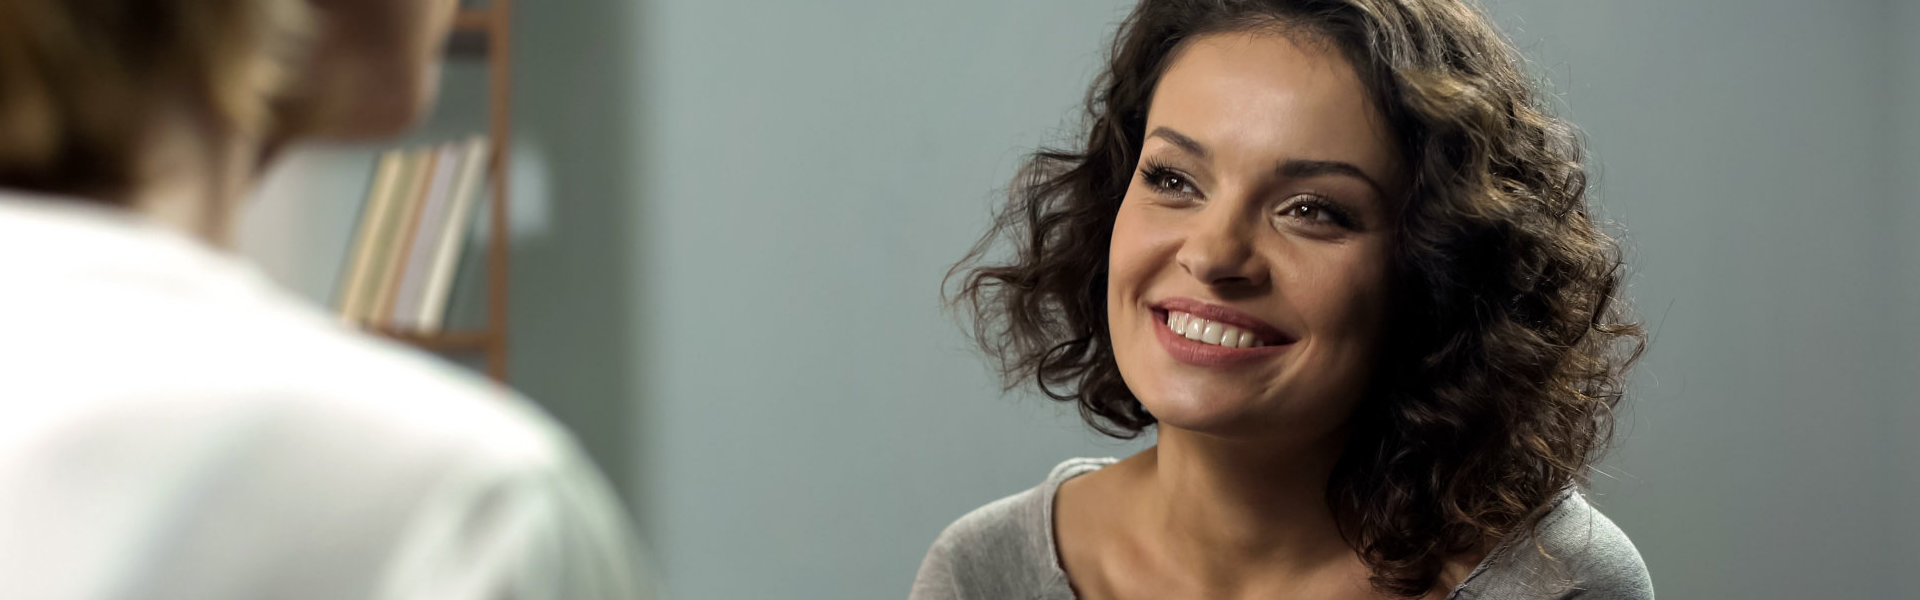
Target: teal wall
[(1745, 147), (752, 210), (1903, 164)]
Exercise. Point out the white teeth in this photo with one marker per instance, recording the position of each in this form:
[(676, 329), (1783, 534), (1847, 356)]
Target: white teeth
[(1212, 333), (1209, 332), (1230, 336)]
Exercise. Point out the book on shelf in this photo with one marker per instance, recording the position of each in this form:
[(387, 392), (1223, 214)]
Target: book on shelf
[(395, 257), (413, 228), (444, 262), (373, 224), (409, 260)]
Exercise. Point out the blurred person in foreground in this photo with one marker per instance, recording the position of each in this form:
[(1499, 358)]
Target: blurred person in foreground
[(174, 426)]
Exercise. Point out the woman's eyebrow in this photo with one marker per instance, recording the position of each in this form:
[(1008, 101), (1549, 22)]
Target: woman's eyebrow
[(1303, 169), (1292, 169), (1180, 139)]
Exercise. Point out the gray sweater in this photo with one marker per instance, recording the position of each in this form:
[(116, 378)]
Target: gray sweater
[(1005, 551)]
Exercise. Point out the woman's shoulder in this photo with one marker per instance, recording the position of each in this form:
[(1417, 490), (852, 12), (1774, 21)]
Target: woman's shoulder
[(1576, 551), (1003, 549)]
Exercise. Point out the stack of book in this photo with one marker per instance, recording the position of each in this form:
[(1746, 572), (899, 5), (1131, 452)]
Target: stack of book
[(413, 226)]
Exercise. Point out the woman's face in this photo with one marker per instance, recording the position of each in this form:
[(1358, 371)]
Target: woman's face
[(1256, 222), (375, 66)]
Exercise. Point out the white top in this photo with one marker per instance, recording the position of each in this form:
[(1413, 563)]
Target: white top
[(1006, 550), (172, 426)]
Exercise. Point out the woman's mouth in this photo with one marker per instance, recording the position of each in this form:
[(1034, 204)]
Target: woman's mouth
[(1211, 332), (1201, 342)]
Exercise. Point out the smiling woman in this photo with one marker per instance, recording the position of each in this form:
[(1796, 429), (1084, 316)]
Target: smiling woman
[(1340, 262)]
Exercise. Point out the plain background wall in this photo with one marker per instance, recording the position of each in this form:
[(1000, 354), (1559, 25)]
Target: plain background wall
[(810, 170), (732, 222), (1904, 117), (1745, 146)]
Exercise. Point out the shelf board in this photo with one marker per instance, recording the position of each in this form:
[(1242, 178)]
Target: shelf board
[(446, 341)]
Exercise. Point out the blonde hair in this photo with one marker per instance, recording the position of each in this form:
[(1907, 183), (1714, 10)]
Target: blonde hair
[(82, 82)]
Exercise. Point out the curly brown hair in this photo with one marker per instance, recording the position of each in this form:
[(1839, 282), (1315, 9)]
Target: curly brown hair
[(1498, 388)]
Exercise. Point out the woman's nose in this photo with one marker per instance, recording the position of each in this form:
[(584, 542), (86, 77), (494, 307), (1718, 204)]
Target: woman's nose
[(1218, 250)]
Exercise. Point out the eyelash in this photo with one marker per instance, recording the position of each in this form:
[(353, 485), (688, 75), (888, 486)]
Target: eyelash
[(1335, 216), (1161, 177), (1166, 180)]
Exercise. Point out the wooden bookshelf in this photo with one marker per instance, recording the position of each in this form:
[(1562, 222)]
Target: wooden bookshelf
[(485, 34), (448, 341)]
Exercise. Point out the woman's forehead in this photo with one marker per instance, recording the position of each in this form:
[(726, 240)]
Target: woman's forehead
[(1261, 97)]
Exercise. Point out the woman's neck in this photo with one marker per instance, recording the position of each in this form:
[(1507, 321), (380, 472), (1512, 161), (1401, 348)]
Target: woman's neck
[(1236, 511), (197, 177)]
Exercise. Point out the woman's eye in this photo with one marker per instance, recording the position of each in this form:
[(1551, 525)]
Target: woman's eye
[(1169, 182), (1317, 212), (1310, 212)]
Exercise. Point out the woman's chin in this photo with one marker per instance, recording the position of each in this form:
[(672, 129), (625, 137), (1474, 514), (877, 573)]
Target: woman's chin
[(1204, 413), (1233, 412)]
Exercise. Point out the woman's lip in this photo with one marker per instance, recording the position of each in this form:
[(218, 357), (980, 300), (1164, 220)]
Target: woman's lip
[(1261, 330), (1201, 354)]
